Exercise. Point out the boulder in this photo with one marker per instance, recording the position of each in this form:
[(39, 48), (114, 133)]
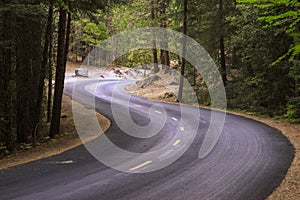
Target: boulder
[(174, 81), (146, 82), (81, 72), (117, 71), (169, 95)]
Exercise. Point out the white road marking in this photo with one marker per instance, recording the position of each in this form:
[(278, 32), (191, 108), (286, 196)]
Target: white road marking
[(174, 119), (177, 142), (141, 165), (181, 128), (158, 112), (139, 106), (65, 162)]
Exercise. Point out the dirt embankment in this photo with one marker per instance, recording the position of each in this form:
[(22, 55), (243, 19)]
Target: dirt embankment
[(68, 139)]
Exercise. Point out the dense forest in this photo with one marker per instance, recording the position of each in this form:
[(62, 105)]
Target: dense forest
[(255, 44)]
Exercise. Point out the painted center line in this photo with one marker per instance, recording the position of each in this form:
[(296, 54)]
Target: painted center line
[(137, 105), (177, 142), (141, 165), (181, 128), (158, 112), (174, 119), (65, 162)]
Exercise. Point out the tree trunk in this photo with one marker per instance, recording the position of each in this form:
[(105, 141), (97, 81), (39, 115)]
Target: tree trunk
[(34, 72), (195, 76), (223, 60), (28, 62), (44, 61), (297, 86), (50, 76), (67, 44), (154, 49), (222, 45), (59, 75), (185, 2), (164, 53), (23, 82), (5, 82)]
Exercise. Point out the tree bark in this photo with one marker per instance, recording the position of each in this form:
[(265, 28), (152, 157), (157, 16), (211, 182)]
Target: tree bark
[(59, 75), (50, 77), (44, 61), (23, 82), (297, 58), (180, 90), (154, 48), (35, 55), (164, 53), (67, 44), (222, 45), (296, 87), (28, 61), (223, 60), (5, 81)]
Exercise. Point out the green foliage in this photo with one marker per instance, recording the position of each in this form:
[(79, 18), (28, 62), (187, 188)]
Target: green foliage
[(88, 32), (3, 149), (256, 85), (284, 14), (24, 146), (279, 17), (138, 57), (23, 9), (94, 33), (253, 33), (135, 14), (293, 110)]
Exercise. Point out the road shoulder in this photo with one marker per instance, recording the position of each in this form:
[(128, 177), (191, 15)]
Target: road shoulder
[(69, 139), (290, 186)]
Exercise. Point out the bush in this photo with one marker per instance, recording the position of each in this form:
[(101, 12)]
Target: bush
[(3, 150), (293, 110)]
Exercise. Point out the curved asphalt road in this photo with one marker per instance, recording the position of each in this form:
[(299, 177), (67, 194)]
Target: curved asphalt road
[(249, 161)]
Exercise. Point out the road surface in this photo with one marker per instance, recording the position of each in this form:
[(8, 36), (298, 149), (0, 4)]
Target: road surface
[(249, 161)]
